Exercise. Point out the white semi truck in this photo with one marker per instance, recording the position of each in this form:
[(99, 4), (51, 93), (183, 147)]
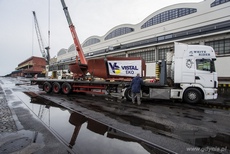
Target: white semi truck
[(187, 74)]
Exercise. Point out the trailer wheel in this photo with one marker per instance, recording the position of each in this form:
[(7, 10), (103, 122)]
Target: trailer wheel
[(192, 96), (66, 88), (128, 94), (47, 87), (56, 87)]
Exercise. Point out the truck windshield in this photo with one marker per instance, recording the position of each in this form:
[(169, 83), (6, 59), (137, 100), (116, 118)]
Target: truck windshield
[(205, 65)]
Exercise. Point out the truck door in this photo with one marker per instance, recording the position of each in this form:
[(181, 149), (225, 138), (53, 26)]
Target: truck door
[(205, 73)]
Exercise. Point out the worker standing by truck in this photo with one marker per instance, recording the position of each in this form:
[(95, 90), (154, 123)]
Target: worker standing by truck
[(136, 84)]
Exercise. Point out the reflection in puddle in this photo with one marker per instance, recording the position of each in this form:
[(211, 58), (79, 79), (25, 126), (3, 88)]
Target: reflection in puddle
[(102, 137), (85, 135)]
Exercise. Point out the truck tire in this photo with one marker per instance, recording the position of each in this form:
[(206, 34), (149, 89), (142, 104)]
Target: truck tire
[(128, 94), (192, 96), (56, 87), (47, 87), (66, 88)]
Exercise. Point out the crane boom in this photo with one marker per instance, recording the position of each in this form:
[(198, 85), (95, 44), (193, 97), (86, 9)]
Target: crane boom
[(45, 53), (74, 35)]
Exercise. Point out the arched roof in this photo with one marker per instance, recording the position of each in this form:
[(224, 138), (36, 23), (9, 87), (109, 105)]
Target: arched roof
[(118, 31), (91, 40), (168, 15), (121, 30), (71, 48), (219, 2), (62, 52)]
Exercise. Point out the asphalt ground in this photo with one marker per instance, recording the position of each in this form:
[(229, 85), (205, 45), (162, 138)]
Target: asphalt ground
[(21, 132)]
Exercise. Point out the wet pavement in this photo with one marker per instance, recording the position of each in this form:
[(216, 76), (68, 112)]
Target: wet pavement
[(20, 131), (34, 122)]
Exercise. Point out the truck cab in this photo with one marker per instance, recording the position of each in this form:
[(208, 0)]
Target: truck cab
[(187, 74), (194, 71)]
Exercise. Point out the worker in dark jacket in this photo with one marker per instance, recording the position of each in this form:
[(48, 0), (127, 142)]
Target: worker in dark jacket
[(136, 89)]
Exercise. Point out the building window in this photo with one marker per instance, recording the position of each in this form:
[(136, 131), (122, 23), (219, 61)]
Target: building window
[(90, 42), (148, 56), (162, 53), (221, 47), (168, 15), (219, 2), (119, 32)]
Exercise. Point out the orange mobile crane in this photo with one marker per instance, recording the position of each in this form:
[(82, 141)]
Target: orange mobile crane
[(79, 69)]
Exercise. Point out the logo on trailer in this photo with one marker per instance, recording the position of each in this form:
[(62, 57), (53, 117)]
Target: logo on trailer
[(124, 67), (115, 68)]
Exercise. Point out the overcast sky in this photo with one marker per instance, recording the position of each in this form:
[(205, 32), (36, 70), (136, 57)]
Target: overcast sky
[(18, 39)]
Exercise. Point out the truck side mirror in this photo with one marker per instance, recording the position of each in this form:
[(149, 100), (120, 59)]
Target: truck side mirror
[(212, 66)]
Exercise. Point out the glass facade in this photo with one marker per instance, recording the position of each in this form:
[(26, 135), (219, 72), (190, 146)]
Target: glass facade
[(90, 42), (219, 2), (221, 47), (119, 32), (148, 56), (168, 15)]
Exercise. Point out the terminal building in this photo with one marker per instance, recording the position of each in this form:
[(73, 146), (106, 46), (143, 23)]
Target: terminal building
[(30, 67), (204, 23)]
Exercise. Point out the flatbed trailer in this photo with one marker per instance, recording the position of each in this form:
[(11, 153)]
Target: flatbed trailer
[(67, 86), (99, 87)]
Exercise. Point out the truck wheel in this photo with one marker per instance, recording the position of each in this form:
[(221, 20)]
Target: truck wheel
[(56, 87), (66, 88), (47, 87), (192, 96), (128, 94)]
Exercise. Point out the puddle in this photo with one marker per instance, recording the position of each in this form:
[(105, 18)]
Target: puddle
[(83, 134), (83, 128)]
